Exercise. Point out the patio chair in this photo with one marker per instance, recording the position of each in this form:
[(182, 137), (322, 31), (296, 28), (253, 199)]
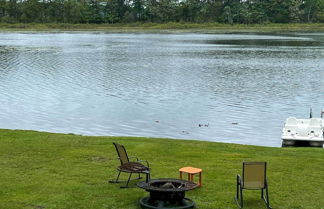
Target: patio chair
[(254, 178), (130, 166)]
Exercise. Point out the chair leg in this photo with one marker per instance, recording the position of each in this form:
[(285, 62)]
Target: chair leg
[(239, 194), (120, 181), (266, 198), (239, 197), (126, 186), (262, 193), (115, 181), (267, 195), (237, 190)]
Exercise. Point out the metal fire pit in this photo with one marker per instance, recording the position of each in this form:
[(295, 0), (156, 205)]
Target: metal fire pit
[(167, 193)]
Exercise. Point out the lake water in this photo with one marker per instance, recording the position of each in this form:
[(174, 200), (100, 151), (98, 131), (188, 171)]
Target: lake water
[(236, 88)]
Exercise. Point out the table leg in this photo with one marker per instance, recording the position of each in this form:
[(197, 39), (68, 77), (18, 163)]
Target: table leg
[(180, 174)]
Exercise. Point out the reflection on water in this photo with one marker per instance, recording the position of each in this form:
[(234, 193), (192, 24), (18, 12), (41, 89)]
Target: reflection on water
[(267, 42), (230, 88)]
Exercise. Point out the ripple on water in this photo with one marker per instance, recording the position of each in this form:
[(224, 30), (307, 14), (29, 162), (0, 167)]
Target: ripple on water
[(122, 84)]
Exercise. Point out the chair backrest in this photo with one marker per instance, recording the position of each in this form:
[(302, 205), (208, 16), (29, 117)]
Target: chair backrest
[(254, 175), (122, 154)]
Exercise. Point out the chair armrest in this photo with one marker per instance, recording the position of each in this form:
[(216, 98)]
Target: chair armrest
[(147, 163), (133, 157), (137, 160), (239, 179)]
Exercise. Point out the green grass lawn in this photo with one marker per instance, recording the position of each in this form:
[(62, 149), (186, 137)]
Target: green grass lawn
[(171, 27), (45, 170)]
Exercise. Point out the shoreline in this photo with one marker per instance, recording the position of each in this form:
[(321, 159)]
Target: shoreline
[(212, 28), (145, 137)]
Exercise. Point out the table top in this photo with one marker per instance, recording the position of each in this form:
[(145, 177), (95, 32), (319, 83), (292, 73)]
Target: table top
[(191, 170)]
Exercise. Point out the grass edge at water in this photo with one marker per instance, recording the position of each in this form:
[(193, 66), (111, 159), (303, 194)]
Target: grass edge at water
[(165, 27)]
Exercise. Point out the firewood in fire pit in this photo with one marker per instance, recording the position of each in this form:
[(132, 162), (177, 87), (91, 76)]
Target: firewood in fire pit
[(168, 185)]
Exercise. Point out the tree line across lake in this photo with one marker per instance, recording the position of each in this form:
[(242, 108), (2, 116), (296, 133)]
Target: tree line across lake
[(160, 11)]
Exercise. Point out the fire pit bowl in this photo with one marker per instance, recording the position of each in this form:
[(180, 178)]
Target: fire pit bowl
[(167, 193)]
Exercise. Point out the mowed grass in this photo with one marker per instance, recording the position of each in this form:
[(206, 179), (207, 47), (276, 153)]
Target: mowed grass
[(45, 170)]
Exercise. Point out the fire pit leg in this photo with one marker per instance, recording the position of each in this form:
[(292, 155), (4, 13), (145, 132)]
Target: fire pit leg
[(186, 203), (161, 204)]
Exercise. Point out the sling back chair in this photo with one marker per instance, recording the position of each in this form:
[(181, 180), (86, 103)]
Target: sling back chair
[(130, 167), (254, 178)]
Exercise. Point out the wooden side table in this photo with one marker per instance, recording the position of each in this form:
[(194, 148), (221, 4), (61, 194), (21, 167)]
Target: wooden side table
[(191, 172)]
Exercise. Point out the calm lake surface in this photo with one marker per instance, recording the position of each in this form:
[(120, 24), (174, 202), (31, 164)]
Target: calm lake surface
[(235, 88)]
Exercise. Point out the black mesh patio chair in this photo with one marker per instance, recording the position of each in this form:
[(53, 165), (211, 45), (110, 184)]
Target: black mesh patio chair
[(254, 178), (130, 167)]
